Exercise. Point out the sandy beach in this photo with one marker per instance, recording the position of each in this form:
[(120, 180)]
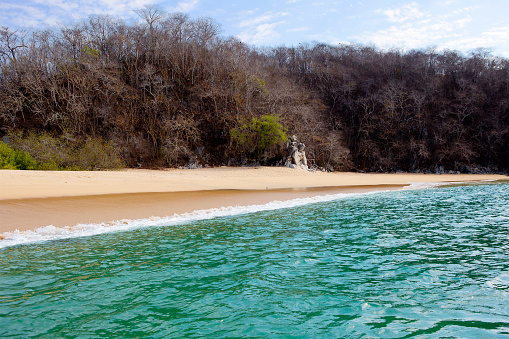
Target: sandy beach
[(32, 199)]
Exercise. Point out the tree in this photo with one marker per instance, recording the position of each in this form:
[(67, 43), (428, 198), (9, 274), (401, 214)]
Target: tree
[(260, 135)]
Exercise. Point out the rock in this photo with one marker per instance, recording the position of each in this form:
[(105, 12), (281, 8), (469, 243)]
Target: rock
[(296, 154), (193, 165), (439, 169), (232, 162), (252, 164)]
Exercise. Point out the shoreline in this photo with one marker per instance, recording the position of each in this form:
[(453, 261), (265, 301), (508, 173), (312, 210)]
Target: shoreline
[(33, 199), (31, 213)]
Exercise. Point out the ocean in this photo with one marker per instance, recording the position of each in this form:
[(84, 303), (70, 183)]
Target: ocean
[(426, 262)]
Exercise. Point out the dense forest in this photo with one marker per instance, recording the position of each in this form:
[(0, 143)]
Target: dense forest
[(172, 90)]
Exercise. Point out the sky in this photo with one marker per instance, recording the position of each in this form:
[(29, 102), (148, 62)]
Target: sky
[(461, 25)]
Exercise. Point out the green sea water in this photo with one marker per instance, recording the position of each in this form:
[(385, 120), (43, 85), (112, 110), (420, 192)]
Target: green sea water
[(425, 263)]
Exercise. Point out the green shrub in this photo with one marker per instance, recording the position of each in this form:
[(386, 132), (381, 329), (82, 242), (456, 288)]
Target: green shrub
[(15, 159), (260, 134), (98, 154), (65, 152)]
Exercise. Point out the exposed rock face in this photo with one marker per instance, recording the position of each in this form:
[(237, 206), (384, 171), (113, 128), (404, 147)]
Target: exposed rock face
[(193, 165), (296, 154)]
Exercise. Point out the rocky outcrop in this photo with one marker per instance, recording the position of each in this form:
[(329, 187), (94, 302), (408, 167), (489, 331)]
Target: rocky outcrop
[(296, 155)]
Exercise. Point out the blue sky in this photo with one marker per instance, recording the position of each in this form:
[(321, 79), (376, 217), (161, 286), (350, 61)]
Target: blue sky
[(442, 24)]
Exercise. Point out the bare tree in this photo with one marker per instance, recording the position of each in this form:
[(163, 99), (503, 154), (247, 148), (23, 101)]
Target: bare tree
[(10, 43)]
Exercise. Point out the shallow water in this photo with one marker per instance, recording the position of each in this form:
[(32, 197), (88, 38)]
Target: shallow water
[(417, 263)]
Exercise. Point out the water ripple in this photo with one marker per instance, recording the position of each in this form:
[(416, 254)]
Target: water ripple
[(424, 263)]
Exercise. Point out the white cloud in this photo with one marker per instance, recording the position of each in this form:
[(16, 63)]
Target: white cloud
[(260, 29), (494, 37), (22, 15), (412, 28), (249, 12), (261, 19), (471, 8), (298, 29), (83, 8), (63, 5), (51, 12), (402, 14), (417, 34), (262, 33), (187, 6), (465, 9), (114, 7)]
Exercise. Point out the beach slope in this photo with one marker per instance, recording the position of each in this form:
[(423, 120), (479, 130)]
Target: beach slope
[(31, 199)]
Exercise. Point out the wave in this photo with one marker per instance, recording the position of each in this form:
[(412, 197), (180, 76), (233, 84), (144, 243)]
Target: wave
[(51, 232)]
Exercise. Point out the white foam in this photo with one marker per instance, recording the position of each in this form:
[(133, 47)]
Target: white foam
[(52, 233), (423, 185)]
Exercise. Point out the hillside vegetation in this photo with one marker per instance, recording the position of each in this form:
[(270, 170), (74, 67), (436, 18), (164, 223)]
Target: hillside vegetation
[(173, 90)]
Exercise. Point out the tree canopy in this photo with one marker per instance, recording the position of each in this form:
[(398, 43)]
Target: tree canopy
[(165, 88)]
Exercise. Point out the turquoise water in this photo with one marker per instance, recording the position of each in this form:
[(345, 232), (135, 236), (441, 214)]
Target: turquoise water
[(424, 263)]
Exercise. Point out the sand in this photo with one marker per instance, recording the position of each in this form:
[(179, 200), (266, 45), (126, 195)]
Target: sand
[(31, 199)]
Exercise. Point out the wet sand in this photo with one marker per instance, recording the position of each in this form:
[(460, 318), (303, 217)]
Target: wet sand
[(31, 199), (27, 214)]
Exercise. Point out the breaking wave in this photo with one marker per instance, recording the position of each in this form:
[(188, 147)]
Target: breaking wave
[(51, 232)]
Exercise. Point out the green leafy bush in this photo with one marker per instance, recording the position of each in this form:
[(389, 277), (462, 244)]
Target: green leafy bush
[(97, 154), (15, 159), (66, 152), (260, 134)]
